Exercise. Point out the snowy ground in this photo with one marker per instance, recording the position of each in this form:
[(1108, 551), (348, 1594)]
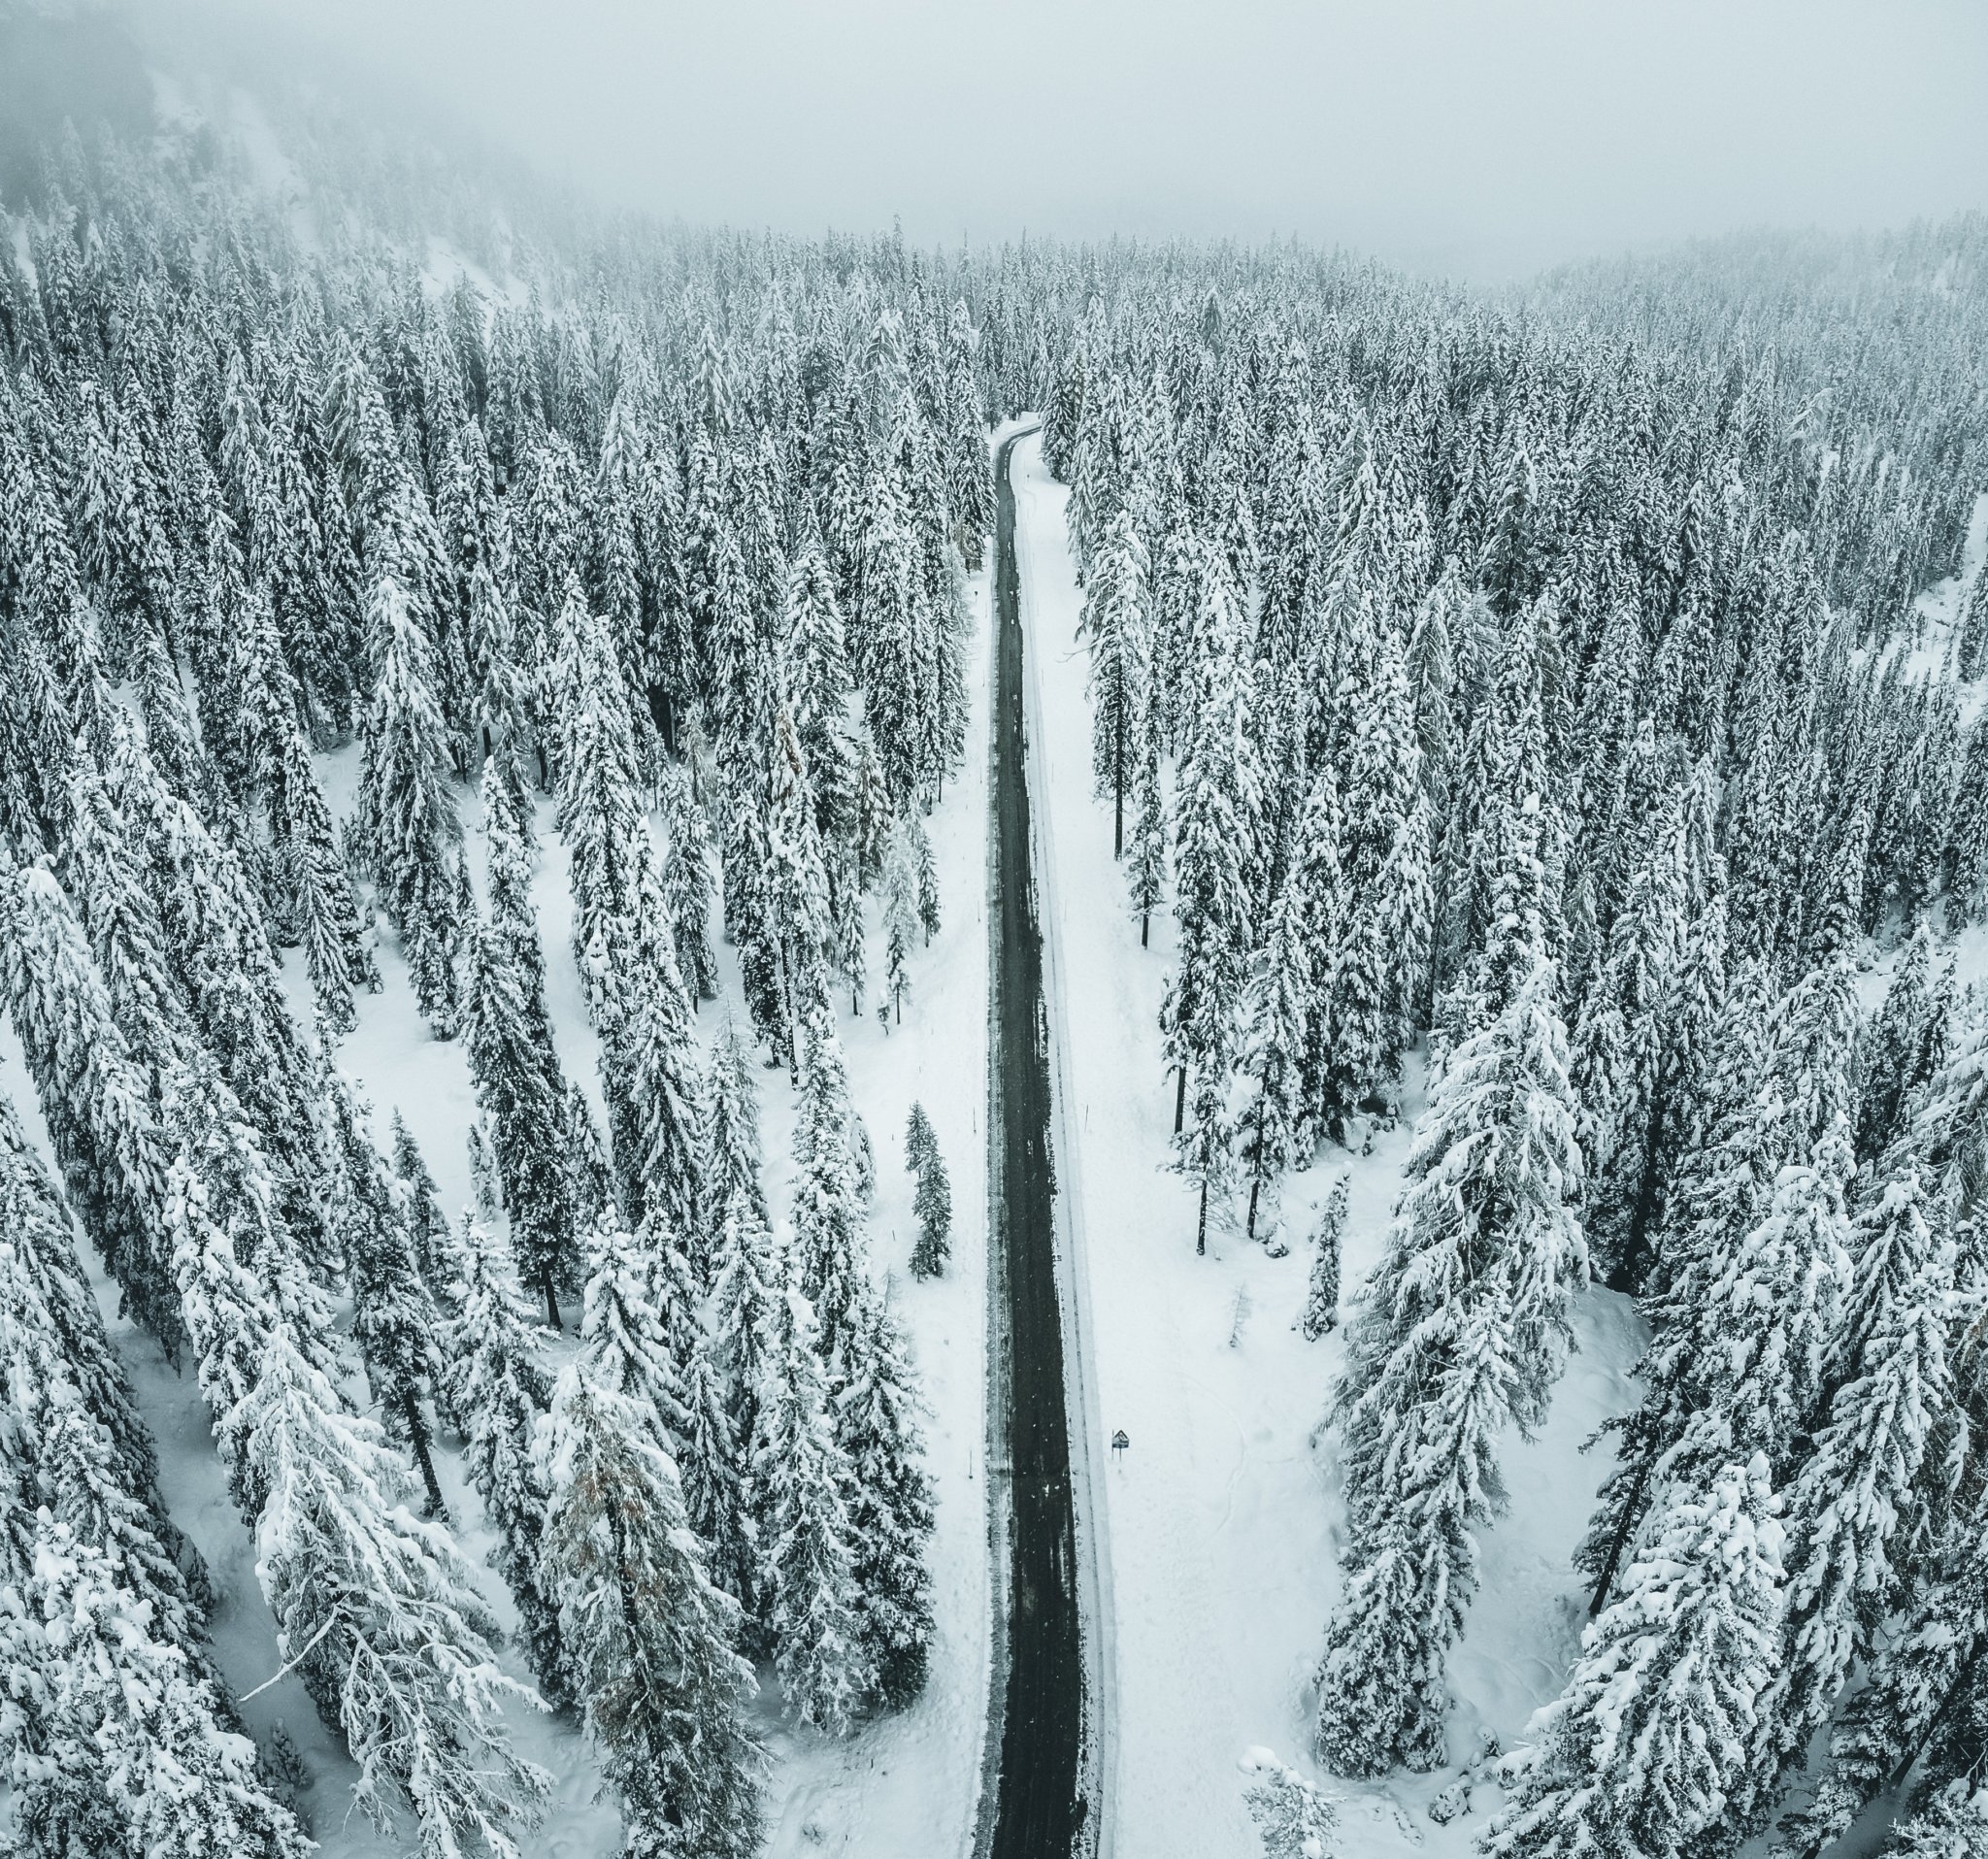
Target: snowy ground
[(905, 1787), (1219, 1520), (1928, 645)]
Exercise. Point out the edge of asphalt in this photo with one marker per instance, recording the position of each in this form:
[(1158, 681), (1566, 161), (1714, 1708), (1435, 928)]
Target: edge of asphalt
[(1097, 1762)]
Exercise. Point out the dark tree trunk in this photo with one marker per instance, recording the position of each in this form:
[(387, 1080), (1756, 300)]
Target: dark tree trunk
[(1118, 783), (1181, 1099), (1630, 1509), (1201, 1226), (417, 1438), (1635, 1263), (552, 1304)]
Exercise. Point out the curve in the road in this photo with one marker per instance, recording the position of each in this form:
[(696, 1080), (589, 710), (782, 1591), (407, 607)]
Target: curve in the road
[(1037, 1806)]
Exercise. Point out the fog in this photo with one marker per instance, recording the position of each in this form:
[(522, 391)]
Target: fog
[(1475, 139)]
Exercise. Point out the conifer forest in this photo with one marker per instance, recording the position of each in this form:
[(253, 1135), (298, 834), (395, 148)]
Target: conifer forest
[(555, 1300)]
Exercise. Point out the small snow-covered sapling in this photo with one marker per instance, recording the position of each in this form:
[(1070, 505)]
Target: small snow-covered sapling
[(1322, 1302), (1295, 1818), (932, 1201), (919, 1141)]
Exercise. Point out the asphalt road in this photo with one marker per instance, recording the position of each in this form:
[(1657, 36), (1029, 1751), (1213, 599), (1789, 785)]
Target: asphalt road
[(1037, 1806)]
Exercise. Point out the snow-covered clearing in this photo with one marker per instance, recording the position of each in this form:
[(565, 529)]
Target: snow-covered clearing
[(1930, 642), (906, 1786), (1219, 1517)]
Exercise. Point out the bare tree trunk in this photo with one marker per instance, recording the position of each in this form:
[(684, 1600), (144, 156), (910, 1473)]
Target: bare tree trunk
[(417, 1439), (1630, 1511), (1118, 781)]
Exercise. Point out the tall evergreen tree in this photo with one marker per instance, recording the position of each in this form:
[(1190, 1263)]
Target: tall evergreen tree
[(1115, 626), (393, 1313), (890, 1512), (381, 1618), (1649, 1746), (1462, 1330), (497, 1386), (121, 1744), (520, 1088), (650, 1640), (406, 824), (810, 1555)]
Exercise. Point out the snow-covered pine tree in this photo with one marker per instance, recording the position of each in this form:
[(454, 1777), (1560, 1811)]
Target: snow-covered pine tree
[(1953, 1825), (900, 912), (1215, 821), (713, 1460), (498, 1388), (613, 858), (891, 624), (921, 1144), (520, 1088), (793, 886), (1461, 1331), (931, 1201), (393, 1312), (732, 1129), (804, 1484), (1918, 1713), (589, 1178), (1510, 847), (1322, 1294), (421, 1203), (407, 826), (121, 1744), (1648, 1750), (747, 915), (380, 1615), (1146, 872), (927, 867), (650, 1641), (1384, 858), (1756, 1266), (656, 1099), (686, 880), (1294, 1818), (1970, 631), (750, 1282), (625, 1337), (74, 1442), (95, 1099), (1620, 1052), (1115, 625), (336, 948), (1267, 1108), (1856, 1497), (1902, 1046), (826, 1250), (1317, 885), (890, 1514), (820, 689)]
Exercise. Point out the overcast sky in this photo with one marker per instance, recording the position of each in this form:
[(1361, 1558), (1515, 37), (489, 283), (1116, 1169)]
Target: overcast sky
[(1485, 138)]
